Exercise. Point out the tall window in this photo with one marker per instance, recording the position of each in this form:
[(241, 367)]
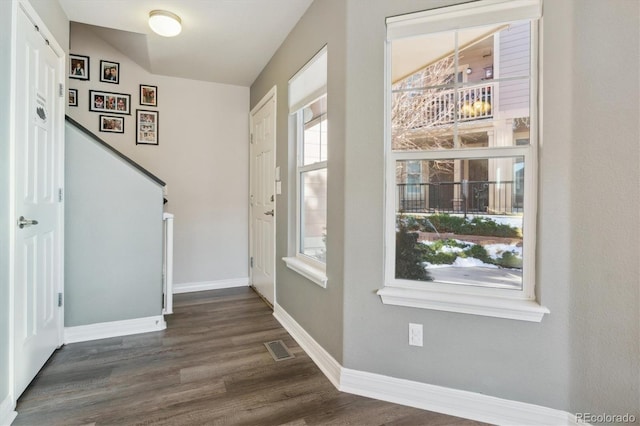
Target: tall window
[(308, 109), (465, 233), (312, 179)]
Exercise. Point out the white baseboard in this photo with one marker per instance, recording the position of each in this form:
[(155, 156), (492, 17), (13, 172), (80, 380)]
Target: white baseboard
[(104, 330), (7, 411), (469, 405), (210, 285), (329, 366)]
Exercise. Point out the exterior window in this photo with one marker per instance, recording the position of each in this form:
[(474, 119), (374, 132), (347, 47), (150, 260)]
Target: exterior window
[(461, 159), (308, 109), (312, 178)]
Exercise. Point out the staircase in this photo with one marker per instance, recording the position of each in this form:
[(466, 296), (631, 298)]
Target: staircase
[(118, 252)]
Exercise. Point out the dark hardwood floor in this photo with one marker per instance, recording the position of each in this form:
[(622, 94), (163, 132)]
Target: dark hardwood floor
[(209, 366)]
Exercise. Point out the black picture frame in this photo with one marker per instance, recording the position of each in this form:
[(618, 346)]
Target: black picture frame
[(110, 72), (72, 97), (79, 67), (109, 102), (111, 123), (148, 95), (147, 131)]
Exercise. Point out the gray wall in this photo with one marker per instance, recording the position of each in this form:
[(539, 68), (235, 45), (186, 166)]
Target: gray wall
[(479, 354), (605, 274), (56, 20), (318, 310), (202, 155), (113, 236), (584, 355), (495, 356)]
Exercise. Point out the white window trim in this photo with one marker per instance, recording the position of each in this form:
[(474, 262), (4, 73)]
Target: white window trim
[(471, 14), (307, 86), (307, 269), (492, 302), (309, 83), (306, 266), (489, 306)]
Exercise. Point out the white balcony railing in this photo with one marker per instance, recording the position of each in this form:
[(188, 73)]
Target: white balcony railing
[(432, 108)]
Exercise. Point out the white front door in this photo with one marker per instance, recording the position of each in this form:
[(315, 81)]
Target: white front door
[(262, 188), (38, 215)]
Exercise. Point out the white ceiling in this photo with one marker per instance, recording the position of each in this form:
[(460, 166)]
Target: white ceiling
[(224, 41)]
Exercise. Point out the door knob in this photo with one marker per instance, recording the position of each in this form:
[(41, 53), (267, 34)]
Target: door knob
[(22, 222), (269, 213)]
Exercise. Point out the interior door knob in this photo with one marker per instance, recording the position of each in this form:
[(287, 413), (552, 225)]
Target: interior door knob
[(22, 222), (269, 213)]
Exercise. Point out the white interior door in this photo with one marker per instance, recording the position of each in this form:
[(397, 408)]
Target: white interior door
[(37, 265), (263, 139)]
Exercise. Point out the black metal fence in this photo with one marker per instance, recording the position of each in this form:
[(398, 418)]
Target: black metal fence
[(487, 197)]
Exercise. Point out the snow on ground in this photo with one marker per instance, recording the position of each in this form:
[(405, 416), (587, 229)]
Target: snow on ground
[(495, 250), (462, 262), (468, 262), (447, 248)]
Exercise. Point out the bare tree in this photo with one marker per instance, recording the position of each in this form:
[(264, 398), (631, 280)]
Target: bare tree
[(423, 103)]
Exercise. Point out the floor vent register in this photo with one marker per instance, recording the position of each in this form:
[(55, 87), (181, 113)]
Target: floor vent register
[(279, 350)]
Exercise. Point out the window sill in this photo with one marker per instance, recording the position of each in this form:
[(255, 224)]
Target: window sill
[(312, 273), (515, 309)]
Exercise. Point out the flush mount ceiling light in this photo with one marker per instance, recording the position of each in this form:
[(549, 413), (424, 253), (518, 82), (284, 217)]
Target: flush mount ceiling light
[(165, 23)]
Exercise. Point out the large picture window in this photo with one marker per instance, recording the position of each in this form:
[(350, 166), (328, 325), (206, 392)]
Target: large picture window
[(308, 109), (462, 159)]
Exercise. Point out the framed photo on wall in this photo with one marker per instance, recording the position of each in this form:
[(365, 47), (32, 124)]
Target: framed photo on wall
[(79, 67), (148, 95), (146, 127), (111, 124), (73, 97), (114, 103), (110, 72)]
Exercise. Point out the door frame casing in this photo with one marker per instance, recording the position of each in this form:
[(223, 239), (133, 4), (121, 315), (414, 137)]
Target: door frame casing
[(23, 6), (271, 94)]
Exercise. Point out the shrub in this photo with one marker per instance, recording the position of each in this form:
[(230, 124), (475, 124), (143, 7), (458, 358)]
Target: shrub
[(447, 223), (509, 260), (409, 256), (433, 252), (478, 252), (476, 226), (436, 257), (412, 223), (437, 245)]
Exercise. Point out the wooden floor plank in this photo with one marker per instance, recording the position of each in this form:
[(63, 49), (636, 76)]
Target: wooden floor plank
[(209, 367)]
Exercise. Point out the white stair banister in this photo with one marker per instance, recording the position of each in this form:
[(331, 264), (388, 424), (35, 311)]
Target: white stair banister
[(167, 283)]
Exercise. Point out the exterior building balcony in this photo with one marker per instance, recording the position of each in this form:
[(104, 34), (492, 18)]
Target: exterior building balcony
[(438, 107)]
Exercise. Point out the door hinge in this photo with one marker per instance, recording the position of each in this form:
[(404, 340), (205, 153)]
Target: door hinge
[(61, 90), (59, 195), (251, 138), (252, 261), (59, 300)]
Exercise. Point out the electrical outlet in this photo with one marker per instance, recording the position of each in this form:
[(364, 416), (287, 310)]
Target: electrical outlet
[(415, 334)]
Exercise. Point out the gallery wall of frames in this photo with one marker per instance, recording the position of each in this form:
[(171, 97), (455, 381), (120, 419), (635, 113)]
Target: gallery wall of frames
[(112, 106)]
